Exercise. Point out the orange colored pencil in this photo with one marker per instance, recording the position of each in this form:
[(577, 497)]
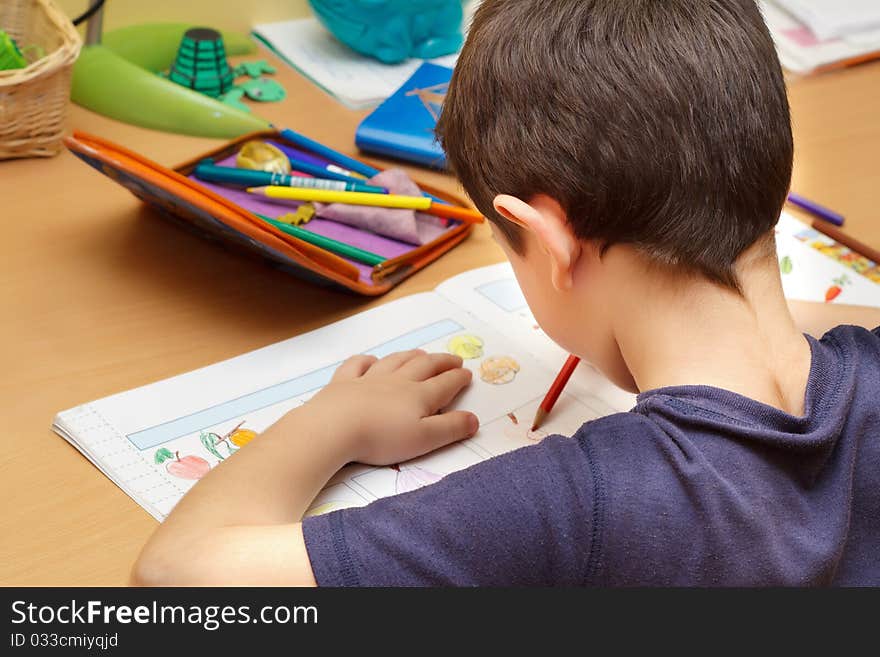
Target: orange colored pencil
[(454, 212), (555, 390)]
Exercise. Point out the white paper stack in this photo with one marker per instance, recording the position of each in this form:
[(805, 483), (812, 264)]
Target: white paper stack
[(815, 35), (835, 19)]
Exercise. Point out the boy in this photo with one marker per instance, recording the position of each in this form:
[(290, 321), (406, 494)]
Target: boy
[(633, 158)]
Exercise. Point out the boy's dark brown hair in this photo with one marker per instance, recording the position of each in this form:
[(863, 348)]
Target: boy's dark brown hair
[(659, 123)]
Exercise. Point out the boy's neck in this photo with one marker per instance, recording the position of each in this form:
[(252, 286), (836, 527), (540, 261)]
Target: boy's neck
[(674, 330)]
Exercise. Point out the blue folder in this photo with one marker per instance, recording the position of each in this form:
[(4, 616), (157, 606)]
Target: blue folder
[(403, 126)]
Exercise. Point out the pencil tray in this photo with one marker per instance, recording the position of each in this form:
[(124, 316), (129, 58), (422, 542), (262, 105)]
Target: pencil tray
[(229, 216)]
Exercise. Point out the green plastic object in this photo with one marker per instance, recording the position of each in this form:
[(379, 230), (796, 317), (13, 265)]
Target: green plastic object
[(263, 90), (108, 84), (233, 99), (10, 56), (153, 46), (201, 63), (254, 69)]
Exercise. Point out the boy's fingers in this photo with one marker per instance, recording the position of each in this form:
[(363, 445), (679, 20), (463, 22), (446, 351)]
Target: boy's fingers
[(440, 430), (443, 388), (424, 367), (394, 361), (353, 367)]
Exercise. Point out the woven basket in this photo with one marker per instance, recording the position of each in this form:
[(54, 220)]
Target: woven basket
[(33, 100)]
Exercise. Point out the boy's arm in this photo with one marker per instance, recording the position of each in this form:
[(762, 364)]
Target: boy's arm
[(239, 525), (816, 319)]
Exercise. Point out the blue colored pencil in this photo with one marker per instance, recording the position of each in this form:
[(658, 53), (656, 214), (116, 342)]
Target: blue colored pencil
[(328, 153), (303, 142), (321, 172), (815, 209)]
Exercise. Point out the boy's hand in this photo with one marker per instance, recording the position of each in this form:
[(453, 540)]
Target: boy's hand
[(389, 408)]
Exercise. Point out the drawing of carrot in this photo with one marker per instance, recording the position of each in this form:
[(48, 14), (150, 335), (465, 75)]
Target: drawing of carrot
[(835, 290)]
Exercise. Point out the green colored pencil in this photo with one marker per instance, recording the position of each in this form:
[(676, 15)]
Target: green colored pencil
[(327, 243)]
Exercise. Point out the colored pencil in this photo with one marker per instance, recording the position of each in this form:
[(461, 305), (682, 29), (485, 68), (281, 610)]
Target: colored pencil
[(555, 390), (320, 171), (395, 201), (339, 161), (327, 243), (209, 172), (815, 209), (301, 141), (465, 215), (351, 198), (848, 241)]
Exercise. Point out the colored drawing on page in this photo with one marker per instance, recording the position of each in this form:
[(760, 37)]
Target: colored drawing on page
[(499, 370), (467, 347), (233, 440), (517, 431), (786, 266), (837, 288), (187, 467), (840, 253), (327, 507), (413, 477)]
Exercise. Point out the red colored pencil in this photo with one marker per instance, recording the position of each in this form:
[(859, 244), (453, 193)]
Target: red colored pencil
[(555, 390)]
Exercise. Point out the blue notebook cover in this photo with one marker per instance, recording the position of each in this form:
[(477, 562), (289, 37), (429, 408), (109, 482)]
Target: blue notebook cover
[(403, 126)]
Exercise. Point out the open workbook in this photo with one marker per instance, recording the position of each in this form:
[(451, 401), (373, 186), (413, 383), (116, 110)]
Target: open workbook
[(156, 441)]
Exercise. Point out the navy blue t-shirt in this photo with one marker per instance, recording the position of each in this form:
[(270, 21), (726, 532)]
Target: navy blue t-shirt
[(694, 486)]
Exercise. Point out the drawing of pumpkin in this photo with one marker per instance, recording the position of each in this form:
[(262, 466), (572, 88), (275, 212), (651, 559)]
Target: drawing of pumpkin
[(188, 467), (786, 265)]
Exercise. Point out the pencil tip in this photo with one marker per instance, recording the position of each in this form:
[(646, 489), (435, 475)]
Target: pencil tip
[(540, 416)]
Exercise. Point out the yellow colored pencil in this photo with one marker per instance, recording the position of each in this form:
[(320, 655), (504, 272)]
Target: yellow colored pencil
[(352, 198)]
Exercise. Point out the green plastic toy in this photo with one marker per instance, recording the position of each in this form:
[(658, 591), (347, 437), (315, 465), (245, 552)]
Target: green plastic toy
[(10, 56), (254, 69), (153, 46), (201, 63), (119, 79), (263, 90)]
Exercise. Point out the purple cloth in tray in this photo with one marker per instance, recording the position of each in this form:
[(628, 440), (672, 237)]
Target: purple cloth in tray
[(275, 208)]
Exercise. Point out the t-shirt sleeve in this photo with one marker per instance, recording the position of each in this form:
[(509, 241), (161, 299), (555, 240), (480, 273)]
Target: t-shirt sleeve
[(523, 518)]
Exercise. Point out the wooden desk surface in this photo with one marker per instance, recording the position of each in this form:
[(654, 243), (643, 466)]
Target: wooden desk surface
[(104, 296)]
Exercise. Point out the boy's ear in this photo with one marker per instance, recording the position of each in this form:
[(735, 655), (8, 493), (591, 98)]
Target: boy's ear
[(545, 219)]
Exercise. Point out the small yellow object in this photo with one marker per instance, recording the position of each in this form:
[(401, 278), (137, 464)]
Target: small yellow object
[(499, 370), (303, 215), (262, 156), (351, 198), (466, 346), (241, 437)]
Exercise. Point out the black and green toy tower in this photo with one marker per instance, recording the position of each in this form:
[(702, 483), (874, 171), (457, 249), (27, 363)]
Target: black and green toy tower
[(201, 63)]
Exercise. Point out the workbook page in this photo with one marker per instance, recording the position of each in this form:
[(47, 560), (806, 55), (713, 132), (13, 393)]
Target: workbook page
[(155, 442)]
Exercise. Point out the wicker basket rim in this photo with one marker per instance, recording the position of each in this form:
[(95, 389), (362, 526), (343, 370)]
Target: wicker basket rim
[(62, 56)]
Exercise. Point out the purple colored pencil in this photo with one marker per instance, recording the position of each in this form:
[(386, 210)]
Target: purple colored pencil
[(815, 209)]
